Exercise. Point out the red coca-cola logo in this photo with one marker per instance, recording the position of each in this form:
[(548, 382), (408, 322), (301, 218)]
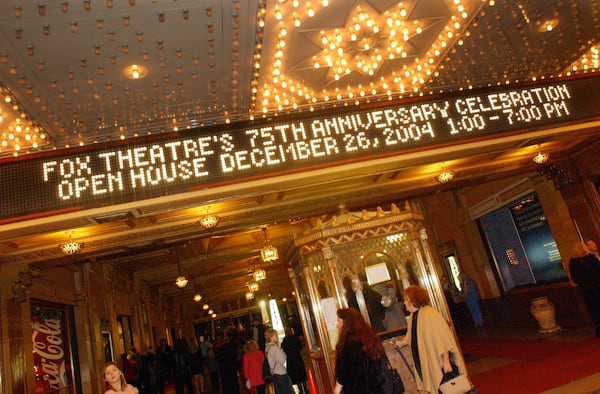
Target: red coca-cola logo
[(49, 352)]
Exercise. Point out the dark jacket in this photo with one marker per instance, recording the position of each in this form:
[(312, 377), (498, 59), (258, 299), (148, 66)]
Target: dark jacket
[(355, 371), (292, 347), (585, 271)]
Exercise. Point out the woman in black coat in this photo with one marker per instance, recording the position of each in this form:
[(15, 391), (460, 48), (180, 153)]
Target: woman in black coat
[(292, 347), (358, 352)]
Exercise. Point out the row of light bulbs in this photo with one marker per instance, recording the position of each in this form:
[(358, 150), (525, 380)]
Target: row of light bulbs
[(17, 131)]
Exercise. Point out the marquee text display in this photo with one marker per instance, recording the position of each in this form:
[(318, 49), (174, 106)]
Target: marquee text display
[(202, 157), (272, 146)]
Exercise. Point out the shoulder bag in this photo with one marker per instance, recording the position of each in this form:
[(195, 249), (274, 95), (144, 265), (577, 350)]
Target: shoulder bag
[(454, 382)]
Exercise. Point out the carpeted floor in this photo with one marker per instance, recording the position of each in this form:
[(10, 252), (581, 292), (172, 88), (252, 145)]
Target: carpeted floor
[(531, 366)]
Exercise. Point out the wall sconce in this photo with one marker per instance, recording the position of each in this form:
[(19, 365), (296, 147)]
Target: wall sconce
[(71, 248), (268, 252)]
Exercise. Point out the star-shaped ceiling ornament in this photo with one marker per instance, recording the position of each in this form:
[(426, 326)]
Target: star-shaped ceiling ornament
[(352, 50), (368, 39)]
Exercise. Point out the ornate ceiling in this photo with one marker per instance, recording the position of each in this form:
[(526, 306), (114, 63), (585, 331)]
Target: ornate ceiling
[(76, 74)]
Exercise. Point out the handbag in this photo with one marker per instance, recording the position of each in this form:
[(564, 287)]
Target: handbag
[(453, 382), (456, 385), (381, 375), (392, 382)]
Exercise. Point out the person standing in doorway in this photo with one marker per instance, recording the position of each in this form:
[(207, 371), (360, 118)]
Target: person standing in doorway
[(450, 293), (277, 360), (471, 295)]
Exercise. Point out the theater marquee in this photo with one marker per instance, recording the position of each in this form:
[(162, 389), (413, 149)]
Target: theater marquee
[(205, 157)]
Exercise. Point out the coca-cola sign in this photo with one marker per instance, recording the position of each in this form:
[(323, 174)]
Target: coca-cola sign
[(51, 351)]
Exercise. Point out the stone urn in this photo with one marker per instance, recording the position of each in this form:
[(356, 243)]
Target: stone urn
[(543, 311)]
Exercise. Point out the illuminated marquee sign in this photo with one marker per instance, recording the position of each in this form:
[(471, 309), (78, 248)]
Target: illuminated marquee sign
[(201, 158)]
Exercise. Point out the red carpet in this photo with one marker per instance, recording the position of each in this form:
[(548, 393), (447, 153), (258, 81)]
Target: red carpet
[(541, 364)]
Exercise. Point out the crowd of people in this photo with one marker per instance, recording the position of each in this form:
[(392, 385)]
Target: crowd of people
[(229, 363), (233, 361)]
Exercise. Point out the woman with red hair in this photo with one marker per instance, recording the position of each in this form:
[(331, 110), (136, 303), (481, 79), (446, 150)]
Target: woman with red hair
[(358, 354), (433, 346)]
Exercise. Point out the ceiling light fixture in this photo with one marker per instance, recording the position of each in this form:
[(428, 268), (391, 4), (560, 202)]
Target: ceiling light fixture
[(197, 295), (547, 26), (259, 274), (445, 176), (135, 71), (71, 248), (268, 252), (181, 280), (541, 158), (249, 295), (253, 287), (209, 221)]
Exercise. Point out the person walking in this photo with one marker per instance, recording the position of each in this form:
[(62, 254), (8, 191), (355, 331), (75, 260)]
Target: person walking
[(433, 346), (252, 366), (292, 347), (357, 352), (277, 360)]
